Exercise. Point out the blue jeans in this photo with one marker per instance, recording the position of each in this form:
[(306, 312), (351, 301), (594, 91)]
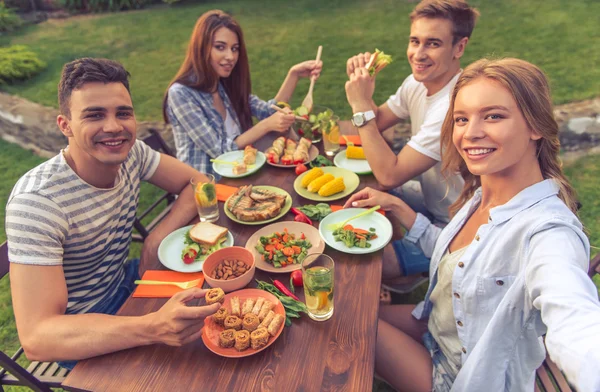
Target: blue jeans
[(111, 304), (443, 375)]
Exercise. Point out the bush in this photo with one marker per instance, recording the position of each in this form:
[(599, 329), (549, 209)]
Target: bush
[(103, 5), (18, 63), (9, 21)]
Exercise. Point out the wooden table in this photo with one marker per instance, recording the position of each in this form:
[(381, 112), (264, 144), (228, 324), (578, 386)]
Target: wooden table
[(337, 354)]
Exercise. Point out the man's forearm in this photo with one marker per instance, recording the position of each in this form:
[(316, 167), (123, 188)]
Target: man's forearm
[(80, 336), (380, 156)]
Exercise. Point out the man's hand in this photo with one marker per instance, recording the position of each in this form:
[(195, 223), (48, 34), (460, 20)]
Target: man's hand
[(359, 90), (176, 323), (358, 61)]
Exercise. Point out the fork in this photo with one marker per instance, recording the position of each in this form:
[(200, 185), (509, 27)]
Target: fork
[(336, 226), (183, 285)]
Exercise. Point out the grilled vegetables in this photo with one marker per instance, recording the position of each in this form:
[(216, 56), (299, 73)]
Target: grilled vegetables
[(252, 204)]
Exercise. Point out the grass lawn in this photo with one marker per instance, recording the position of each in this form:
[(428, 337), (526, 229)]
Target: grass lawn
[(561, 36)]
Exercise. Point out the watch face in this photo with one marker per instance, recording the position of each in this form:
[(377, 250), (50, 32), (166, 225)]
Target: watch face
[(358, 119)]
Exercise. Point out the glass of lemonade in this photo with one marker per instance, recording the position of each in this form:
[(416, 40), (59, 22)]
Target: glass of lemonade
[(317, 274), (205, 195), (331, 136)]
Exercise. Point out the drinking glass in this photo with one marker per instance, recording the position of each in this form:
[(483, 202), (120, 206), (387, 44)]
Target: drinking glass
[(205, 195), (331, 136), (317, 276)]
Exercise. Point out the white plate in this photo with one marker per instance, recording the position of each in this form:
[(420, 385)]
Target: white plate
[(169, 251), (226, 170), (383, 229), (358, 166)]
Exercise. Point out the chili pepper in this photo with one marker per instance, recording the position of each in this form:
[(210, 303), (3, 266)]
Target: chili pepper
[(300, 216), (284, 289)]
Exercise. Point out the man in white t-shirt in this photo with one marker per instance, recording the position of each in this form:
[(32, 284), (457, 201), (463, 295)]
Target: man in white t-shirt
[(439, 32), (69, 224)]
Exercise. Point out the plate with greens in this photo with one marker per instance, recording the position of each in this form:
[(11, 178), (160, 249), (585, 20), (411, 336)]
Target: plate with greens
[(171, 250), (281, 247), (365, 234)]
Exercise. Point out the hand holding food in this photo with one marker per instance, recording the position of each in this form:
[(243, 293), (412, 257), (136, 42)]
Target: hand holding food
[(358, 61), (215, 295), (359, 90), (369, 197), (378, 62), (174, 321)]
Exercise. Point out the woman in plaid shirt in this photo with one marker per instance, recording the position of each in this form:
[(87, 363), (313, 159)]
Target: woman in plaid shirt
[(209, 103)]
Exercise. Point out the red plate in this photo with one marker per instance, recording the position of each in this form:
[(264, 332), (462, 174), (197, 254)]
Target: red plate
[(211, 331)]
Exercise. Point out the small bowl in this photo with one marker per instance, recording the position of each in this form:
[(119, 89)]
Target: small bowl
[(231, 252)]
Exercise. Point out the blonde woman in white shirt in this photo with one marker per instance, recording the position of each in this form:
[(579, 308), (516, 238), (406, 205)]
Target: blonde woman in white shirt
[(511, 265)]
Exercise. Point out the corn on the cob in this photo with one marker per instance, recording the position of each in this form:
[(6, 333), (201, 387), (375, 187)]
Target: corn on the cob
[(318, 182), (332, 187), (311, 175), (353, 152)]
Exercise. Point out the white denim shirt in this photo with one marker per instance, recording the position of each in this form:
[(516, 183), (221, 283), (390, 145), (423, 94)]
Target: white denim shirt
[(524, 275)]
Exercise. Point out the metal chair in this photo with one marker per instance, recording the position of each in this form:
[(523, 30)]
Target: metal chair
[(156, 142), (39, 376)]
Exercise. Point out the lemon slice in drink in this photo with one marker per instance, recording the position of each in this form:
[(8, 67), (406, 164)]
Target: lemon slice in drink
[(312, 302), (334, 134), (206, 195)]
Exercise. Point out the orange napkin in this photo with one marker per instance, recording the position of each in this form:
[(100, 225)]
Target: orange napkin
[(224, 191), (352, 139), (335, 208), (166, 291)]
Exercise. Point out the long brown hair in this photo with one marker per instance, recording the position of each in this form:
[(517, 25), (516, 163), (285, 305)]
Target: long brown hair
[(530, 90), (196, 71)]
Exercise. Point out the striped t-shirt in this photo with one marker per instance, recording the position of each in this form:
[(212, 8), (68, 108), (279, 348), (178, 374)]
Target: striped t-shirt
[(53, 217)]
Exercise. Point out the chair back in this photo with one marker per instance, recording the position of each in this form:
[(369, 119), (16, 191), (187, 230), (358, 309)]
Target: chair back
[(4, 264), (156, 142)]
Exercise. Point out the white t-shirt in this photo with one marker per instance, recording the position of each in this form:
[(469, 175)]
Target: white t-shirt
[(427, 116)]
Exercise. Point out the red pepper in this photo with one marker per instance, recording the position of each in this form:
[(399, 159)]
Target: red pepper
[(300, 216), (284, 290)]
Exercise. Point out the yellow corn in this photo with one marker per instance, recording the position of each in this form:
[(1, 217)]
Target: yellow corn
[(311, 175), (318, 182), (353, 152), (332, 187)]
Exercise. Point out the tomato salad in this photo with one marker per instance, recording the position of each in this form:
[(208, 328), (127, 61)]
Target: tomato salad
[(282, 249)]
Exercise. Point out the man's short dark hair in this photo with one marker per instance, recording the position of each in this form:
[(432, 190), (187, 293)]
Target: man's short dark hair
[(87, 70), (462, 16)]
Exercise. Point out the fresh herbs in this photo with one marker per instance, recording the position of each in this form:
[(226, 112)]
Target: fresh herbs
[(354, 237), (292, 307), (320, 161), (316, 212)]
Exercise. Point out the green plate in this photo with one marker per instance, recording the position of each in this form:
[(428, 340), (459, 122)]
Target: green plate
[(286, 207), (226, 170), (170, 248), (358, 166), (351, 181)]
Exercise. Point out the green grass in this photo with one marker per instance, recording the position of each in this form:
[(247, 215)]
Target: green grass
[(561, 36)]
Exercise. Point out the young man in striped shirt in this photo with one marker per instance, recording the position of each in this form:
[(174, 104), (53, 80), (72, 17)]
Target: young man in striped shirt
[(69, 224)]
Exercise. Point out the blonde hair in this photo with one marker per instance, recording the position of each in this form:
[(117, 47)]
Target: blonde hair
[(529, 87)]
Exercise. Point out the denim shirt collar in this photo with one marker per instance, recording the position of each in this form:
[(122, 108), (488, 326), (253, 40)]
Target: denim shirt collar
[(521, 201)]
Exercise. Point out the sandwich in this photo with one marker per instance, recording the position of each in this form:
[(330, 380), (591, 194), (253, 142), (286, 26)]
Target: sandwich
[(201, 240), (378, 61)]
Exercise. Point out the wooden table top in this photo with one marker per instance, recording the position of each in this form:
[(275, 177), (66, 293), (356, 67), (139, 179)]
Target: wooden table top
[(337, 354)]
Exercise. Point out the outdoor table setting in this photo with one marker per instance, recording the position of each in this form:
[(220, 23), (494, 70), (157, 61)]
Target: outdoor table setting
[(331, 347)]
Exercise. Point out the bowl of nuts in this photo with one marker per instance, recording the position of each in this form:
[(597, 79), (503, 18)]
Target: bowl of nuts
[(229, 268)]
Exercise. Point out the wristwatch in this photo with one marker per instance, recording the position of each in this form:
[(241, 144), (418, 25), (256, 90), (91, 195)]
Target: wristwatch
[(361, 118)]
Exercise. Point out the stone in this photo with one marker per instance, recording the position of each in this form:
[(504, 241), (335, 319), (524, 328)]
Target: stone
[(580, 124)]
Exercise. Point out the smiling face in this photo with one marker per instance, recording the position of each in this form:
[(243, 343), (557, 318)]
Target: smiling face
[(490, 132), (224, 53), (102, 127), (433, 58)]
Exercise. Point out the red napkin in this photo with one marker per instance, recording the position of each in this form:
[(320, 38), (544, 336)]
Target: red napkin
[(352, 139), (166, 291), (224, 191), (335, 208)]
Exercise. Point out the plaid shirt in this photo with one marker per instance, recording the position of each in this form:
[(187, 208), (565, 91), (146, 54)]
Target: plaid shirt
[(199, 130)]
